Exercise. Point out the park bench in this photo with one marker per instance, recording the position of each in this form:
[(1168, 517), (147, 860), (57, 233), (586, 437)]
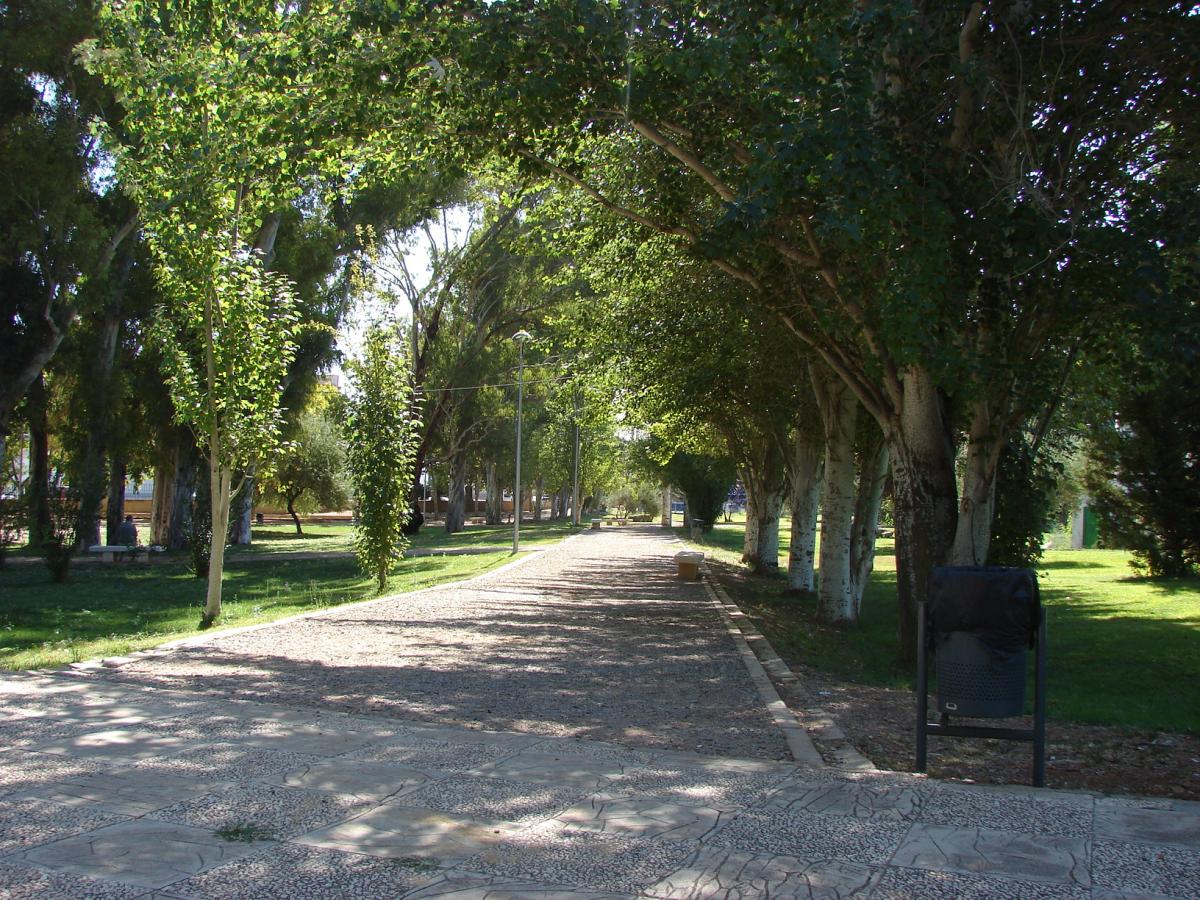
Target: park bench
[(688, 564), (114, 552), (118, 552)]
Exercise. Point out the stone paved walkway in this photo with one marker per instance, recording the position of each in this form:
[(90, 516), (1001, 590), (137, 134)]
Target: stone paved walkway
[(255, 766)]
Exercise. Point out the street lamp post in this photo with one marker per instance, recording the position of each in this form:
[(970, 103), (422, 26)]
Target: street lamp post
[(575, 489), (520, 337)]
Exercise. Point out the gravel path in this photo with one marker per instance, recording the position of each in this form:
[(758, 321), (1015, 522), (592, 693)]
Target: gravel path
[(594, 639)]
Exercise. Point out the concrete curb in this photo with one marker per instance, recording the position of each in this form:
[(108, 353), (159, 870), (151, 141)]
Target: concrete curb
[(814, 720), (803, 750)]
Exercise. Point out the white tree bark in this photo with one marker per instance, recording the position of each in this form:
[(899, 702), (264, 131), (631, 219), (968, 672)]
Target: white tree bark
[(973, 531), (764, 477), (664, 517), (839, 413), (872, 477), (806, 467), (750, 537), (770, 505)]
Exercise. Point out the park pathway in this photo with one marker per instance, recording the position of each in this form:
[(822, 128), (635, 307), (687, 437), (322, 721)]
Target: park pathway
[(577, 725), (594, 639)]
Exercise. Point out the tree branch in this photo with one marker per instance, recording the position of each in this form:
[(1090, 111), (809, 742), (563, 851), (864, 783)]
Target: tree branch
[(966, 49), (625, 212), (689, 159)]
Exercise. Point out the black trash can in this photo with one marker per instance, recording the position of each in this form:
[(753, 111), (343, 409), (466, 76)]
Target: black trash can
[(981, 621)]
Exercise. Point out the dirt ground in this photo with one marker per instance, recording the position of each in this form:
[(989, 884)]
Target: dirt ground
[(880, 723)]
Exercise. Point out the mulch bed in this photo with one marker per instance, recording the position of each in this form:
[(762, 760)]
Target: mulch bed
[(880, 722)]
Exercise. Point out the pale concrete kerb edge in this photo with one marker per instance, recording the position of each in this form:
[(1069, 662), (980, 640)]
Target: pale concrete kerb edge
[(802, 748)]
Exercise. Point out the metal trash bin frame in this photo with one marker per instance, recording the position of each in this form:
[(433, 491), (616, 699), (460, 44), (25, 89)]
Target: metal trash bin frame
[(944, 728)]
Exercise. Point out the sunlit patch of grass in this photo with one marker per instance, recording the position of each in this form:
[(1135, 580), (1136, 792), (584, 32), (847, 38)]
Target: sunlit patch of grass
[(1122, 650), (340, 538), (110, 610)]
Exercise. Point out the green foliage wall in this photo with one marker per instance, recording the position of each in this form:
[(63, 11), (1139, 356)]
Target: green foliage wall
[(381, 434)]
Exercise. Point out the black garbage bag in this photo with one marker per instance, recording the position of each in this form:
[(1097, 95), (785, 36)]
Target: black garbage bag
[(999, 605)]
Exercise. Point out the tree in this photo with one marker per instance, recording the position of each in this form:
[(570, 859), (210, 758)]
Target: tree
[(309, 474), (192, 158), (705, 481), (921, 194), (1144, 473), (382, 434), (60, 227)]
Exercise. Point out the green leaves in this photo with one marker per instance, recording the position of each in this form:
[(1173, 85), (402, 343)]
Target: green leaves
[(382, 435), (227, 309)]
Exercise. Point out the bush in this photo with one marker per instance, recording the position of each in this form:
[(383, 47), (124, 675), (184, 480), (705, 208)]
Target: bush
[(705, 480), (58, 548), (12, 515), (58, 553)]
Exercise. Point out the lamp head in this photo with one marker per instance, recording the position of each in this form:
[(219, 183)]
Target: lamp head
[(522, 336)]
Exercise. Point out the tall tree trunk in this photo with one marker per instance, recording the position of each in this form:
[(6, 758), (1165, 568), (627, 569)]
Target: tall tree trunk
[(538, 491), (805, 471), (115, 514), (664, 517), (456, 502), (221, 478), (925, 491), (764, 477), (872, 477), (976, 505), (493, 510), (37, 492), (100, 412), (291, 508), (770, 506), (187, 463), (241, 514), (160, 504), (750, 535), (92, 485), (839, 414)]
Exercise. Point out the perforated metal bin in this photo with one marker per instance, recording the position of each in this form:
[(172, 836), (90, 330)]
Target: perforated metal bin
[(976, 680)]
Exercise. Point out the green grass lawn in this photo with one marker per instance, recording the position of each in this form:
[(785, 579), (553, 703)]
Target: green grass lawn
[(340, 538), (1122, 650), (107, 610)]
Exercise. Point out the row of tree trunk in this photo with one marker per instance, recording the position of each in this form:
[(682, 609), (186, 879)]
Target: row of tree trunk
[(836, 462)]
